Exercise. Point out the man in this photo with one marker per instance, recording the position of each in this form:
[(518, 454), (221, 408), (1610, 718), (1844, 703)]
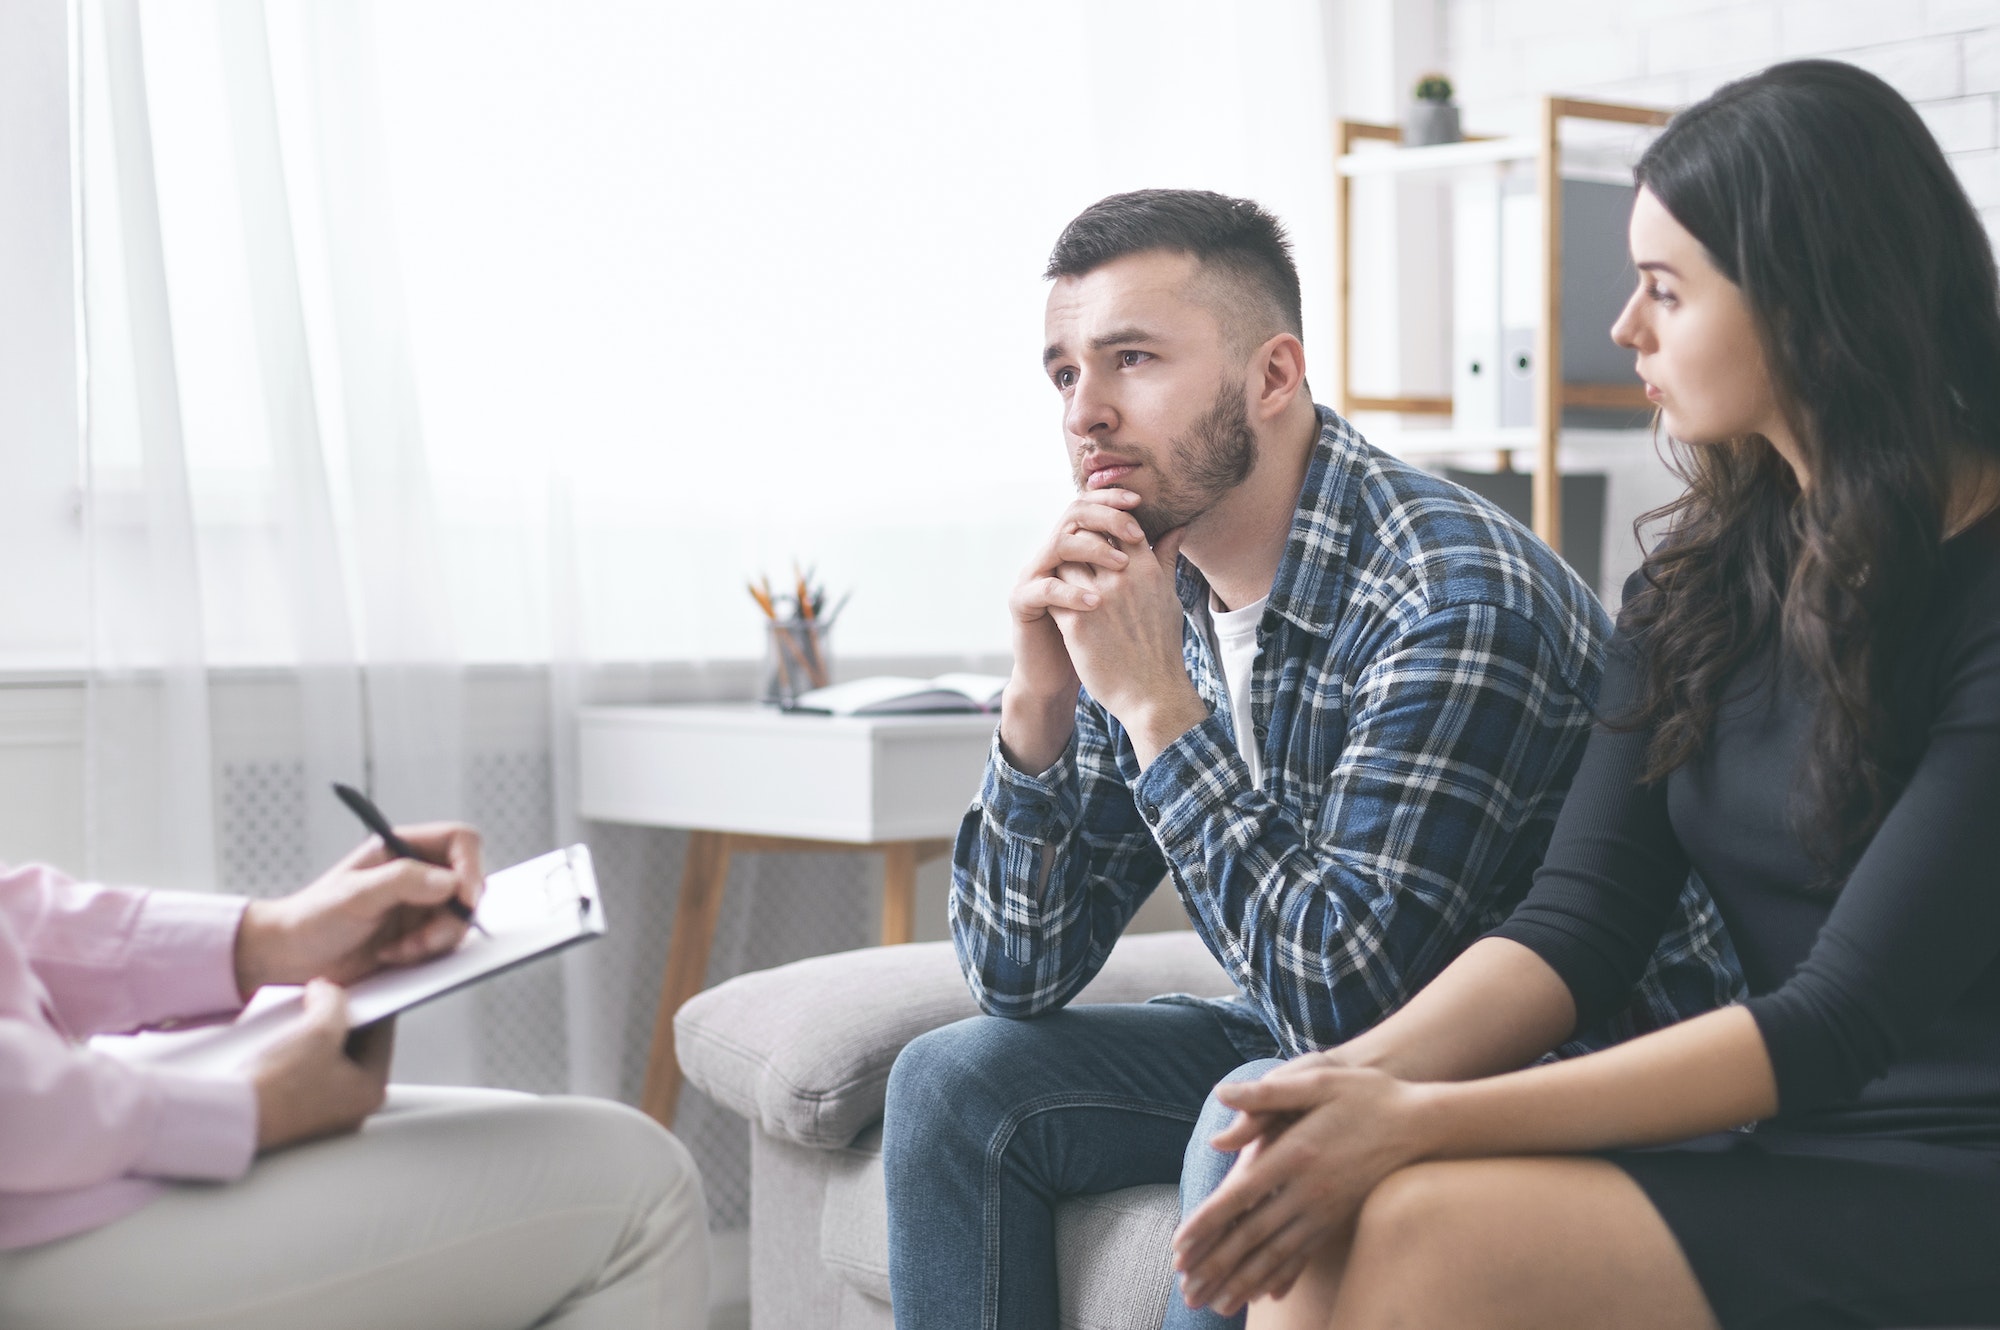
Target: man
[(450, 1208), (1335, 699)]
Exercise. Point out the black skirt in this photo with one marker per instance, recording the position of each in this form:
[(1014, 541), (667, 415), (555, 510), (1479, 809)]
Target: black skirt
[(1798, 1231)]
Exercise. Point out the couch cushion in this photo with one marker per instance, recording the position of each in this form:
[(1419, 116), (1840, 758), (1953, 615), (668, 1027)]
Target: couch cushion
[(854, 1225), (1114, 1257), (1114, 1271), (804, 1050)]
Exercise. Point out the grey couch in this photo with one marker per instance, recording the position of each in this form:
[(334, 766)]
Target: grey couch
[(804, 1051)]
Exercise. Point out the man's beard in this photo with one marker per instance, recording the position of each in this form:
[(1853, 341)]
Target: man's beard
[(1212, 457)]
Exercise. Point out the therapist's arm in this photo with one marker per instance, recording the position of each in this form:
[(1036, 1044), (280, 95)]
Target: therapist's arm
[(75, 960), (75, 1117), (314, 1084), (367, 912), (117, 959), (80, 959)]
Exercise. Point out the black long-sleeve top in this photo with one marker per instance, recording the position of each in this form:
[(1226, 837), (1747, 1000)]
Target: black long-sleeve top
[(1880, 1006)]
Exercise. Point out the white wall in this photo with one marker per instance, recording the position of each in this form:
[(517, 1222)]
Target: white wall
[(41, 597), (1504, 55), (41, 568), (1944, 55), (1400, 297)]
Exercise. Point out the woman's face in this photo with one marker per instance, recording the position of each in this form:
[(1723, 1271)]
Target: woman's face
[(1696, 343)]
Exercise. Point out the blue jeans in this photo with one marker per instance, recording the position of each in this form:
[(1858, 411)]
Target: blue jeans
[(990, 1122), (1202, 1171)]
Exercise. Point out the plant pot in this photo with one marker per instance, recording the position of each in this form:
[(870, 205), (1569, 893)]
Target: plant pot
[(1426, 123)]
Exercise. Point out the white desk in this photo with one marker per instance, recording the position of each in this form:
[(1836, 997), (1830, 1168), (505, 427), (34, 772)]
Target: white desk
[(745, 778)]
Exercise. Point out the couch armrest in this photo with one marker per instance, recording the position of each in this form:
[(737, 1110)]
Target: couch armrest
[(804, 1050)]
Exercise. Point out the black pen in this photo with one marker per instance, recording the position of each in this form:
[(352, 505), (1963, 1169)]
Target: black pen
[(398, 848)]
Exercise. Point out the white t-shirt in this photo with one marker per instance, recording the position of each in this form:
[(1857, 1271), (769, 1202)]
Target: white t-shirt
[(1233, 634)]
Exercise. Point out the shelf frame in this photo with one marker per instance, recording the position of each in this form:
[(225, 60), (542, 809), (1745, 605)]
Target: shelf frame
[(1551, 392)]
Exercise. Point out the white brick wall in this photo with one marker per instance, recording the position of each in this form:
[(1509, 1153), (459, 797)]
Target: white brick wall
[(1944, 55)]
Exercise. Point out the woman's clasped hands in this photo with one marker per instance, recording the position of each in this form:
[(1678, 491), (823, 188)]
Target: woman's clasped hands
[(1313, 1137)]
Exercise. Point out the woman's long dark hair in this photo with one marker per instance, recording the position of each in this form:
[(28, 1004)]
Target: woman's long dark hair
[(1817, 190)]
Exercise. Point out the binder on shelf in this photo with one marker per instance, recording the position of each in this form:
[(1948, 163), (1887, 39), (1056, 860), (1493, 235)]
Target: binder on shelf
[(1475, 286), (1520, 298), (1497, 299)]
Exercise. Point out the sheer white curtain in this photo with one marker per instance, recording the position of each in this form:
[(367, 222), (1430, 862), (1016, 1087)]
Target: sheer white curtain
[(432, 335), (147, 723), (212, 501)]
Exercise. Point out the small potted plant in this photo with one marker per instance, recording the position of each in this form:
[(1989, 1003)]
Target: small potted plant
[(1431, 118)]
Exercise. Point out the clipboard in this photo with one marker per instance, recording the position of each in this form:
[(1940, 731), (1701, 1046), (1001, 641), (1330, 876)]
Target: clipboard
[(534, 909)]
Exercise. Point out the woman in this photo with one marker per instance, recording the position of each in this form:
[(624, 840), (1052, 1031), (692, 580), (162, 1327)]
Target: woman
[(1805, 709)]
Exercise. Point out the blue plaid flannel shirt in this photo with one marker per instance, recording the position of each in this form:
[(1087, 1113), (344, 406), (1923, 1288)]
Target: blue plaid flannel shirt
[(1421, 698)]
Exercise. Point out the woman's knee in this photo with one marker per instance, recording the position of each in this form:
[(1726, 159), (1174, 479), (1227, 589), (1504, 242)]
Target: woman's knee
[(1517, 1242), (1473, 1219), (1411, 1215)]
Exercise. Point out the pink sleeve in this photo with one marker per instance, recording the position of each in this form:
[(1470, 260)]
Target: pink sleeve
[(76, 1117), (115, 959)]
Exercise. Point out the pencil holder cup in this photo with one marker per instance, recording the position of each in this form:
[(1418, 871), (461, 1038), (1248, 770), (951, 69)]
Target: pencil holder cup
[(795, 660)]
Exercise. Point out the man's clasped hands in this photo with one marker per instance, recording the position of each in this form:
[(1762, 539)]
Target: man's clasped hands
[(1098, 607)]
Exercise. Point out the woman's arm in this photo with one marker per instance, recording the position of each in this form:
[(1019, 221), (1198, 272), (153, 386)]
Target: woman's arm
[(1497, 1007), (1706, 1074), (1293, 1192)]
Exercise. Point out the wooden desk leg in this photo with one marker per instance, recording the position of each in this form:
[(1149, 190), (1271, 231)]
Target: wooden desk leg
[(899, 892), (702, 879)]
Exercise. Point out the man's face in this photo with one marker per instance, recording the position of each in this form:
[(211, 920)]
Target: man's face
[(1153, 397)]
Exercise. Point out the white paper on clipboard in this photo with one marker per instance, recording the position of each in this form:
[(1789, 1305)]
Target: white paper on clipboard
[(533, 909)]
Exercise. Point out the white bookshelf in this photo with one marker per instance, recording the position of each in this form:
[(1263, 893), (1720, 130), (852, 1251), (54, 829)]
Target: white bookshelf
[(1552, 161)]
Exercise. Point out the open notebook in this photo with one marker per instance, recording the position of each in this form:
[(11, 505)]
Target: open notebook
[(533, 909), (890, 694)]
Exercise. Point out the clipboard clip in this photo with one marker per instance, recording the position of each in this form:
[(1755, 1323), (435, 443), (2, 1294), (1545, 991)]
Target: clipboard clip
[(566, 871)]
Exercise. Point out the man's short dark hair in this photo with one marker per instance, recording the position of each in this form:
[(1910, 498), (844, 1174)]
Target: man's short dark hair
[(1232, 239)]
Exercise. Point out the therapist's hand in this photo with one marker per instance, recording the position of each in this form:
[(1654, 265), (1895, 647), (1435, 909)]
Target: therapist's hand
[(367, 912), (309, 1086)]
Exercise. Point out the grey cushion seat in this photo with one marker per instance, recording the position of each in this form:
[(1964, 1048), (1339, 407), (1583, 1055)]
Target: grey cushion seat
[(803, 1051)]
